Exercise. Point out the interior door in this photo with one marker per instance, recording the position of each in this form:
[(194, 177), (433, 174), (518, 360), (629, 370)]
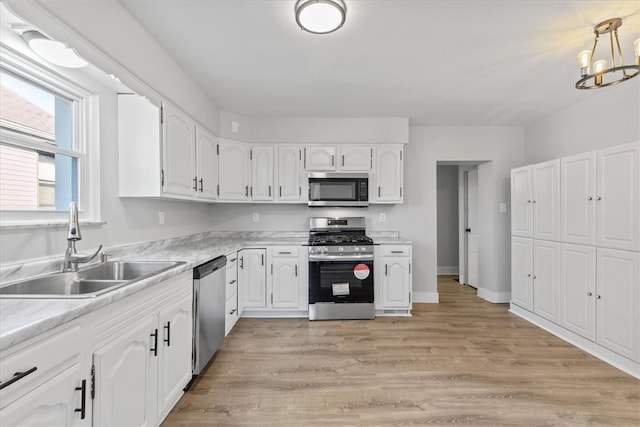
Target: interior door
[(473, 255)]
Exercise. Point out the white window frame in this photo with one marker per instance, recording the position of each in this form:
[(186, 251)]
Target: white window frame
[(85, 141)]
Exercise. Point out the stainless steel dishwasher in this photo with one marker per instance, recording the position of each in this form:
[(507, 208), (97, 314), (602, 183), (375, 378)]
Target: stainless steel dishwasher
[(208, 311)]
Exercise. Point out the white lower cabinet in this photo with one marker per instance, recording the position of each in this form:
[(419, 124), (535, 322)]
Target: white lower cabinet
[(522, 272), (142, 354), (392, 283), (546, 277), (286, 284), (578, 289), (618, 301), (46, 381), (252, 278)]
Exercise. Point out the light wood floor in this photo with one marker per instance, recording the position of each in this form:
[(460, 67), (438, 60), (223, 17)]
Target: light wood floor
[(463, 361)]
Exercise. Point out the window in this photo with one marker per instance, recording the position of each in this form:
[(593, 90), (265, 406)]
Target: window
[(44, 155)]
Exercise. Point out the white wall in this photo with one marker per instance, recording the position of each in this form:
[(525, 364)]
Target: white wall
[(416, 218), (607, 117), (127, 220), (447, 197)]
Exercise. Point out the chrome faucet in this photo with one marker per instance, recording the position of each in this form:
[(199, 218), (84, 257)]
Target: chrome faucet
[(71, 257)]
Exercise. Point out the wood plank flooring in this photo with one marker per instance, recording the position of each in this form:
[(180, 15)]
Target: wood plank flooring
[(463, 361)]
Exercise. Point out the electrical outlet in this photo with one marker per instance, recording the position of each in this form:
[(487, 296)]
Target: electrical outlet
[(503, 207), (234, 127), (160, 217), (383, 217), (256, 217)]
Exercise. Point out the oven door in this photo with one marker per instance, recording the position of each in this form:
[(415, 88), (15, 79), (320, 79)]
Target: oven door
[(341, 281)]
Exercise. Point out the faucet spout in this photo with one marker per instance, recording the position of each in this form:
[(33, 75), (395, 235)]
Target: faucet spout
[(74, 225), (71, 256)]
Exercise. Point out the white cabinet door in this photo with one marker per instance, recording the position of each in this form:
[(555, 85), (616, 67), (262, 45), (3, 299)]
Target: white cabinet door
[(235, 170), (285, 284), (320, 158), (252, 278), (578, 289), (546, 200), (175, 348), (618, 197), (577, 199), (127, 377), (396, 286), (355, 158), (178, 133), (521, 200), (618, 301), (206, 164), (53, 403), (522, 272), (288, 173), (261, 172), (387, 187), (546, 278)]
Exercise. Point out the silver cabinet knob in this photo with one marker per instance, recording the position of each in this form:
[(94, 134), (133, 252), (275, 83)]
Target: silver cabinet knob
[(534, 277), (598, 198), (589, 198), (589, 294), (598, 297), (528, 275)]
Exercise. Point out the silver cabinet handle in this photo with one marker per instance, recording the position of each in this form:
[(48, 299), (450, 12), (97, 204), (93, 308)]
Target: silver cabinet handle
[(269, 190), (246, 191), (333, 158), (385, 270), (285, 252), (201, 185), (343, 160), (296, 270), (195, 183), (397, 252), (233, 281)]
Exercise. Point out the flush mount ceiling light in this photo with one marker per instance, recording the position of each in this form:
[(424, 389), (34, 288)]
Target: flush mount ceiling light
[(320, 16), (53, 51), (596, 74)]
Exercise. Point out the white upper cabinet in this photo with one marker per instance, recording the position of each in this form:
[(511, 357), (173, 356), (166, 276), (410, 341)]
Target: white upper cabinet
[(320, 158), (261, 172), (578, 199), (178, 159), (355, 158), (386, 183), (546, 200), (288, 174), (535, 201), (235, 170), (618, 197), (163, 152), (206, 164), (521, 198)]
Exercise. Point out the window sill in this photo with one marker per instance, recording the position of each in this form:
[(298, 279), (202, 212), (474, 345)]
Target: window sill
[(47, 224)]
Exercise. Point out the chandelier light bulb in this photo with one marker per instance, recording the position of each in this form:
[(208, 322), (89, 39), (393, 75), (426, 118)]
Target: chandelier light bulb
[(584, 58), (598, 69)]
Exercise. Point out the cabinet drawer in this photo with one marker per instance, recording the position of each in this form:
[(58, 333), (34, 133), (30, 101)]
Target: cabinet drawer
[(396, 250), (49, 356), (231, 287), (285, 251), (231, 306)]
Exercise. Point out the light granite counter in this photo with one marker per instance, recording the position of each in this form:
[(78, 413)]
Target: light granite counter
[(21, 319)]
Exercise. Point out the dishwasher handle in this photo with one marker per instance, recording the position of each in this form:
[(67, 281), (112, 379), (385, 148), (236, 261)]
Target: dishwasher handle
[(209, 267)]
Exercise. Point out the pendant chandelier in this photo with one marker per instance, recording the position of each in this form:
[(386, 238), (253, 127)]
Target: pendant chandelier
[(596, 74)]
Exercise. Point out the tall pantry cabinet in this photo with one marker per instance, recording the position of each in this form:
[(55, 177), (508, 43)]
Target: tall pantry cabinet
[(576, 249)]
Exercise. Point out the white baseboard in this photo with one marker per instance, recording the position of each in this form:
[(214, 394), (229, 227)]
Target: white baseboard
[(448, 269), (494, 297), (430, 297), (630, 367)]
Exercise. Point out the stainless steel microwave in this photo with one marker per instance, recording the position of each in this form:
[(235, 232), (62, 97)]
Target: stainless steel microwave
[(334, 189)]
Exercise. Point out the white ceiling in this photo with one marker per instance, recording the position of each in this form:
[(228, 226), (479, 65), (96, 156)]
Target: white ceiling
[(440, 63)]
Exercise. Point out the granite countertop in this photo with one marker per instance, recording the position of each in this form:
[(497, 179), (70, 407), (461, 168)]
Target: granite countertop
[(21, 319)]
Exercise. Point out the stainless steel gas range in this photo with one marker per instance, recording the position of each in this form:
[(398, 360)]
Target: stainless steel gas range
[(340, 269)]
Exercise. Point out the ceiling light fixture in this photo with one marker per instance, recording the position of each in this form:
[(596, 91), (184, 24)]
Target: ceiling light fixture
[(596, 74), (53, 51), (320, 16)]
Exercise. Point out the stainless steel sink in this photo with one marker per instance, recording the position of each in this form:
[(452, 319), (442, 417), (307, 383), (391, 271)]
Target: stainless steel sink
[(88, 282)]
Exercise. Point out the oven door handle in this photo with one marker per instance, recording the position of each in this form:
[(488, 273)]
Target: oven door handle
[(340, 257)]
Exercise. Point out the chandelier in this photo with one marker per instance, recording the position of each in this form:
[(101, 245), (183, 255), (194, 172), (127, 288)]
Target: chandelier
[(596, 74)]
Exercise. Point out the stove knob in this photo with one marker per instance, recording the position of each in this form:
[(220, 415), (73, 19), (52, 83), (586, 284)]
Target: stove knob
[(340, 249), (356, 249)]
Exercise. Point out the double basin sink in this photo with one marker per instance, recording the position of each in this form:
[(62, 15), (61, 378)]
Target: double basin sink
[(88, 282)]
